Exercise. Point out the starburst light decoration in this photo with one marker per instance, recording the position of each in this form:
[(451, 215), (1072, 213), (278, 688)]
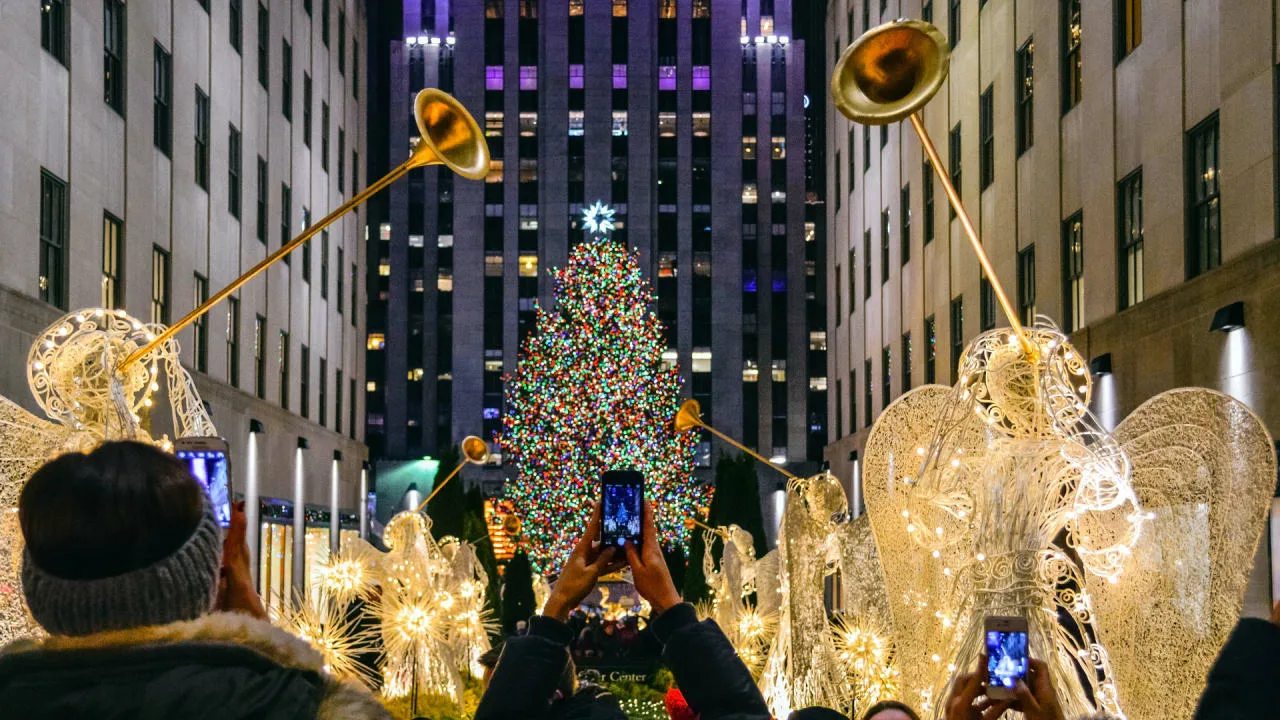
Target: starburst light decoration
[(867, 655), (591, 393), (598, 219), (322, 621)]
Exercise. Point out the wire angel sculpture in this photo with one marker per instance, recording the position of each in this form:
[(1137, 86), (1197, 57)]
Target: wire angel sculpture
[(1023, 504), (803, 667), (73, 370), (748, 625)]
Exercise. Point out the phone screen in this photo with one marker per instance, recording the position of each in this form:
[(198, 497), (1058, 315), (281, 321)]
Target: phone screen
[(210, 468), (1006, 658), (623, 492)]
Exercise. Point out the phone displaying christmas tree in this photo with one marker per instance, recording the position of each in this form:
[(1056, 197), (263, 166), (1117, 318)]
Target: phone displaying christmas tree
[(590, 393)]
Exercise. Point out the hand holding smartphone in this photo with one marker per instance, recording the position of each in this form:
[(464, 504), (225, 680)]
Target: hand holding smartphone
[(622, 501), (1007, 655), (209, 460)]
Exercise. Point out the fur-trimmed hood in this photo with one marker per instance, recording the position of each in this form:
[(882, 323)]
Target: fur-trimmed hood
[(222, 649)]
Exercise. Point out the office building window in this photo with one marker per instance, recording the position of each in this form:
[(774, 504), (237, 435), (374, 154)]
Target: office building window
[(1204, 236), (304, 382), (867, 394), (904, 209), (262, 200), (839, 411), (324, 136), (113, 39), (324, 264), (957, 334), (1027, 285), (233, 341), (200, 346), (926, 11), (987, 297), (953, 23), (282, 360), (355, 286), (355, 93), (1073, 272), (927, 200), (323, 415), (53, 28), (337, 402), (954, 164), (884, 246), (264, 45), (930, 350), (306, 246), (886, 376), (286, 210), (1024, 90), (324, 22), (306, 109), (866, 148), (159, 285), (235, 24), (339, 275), (233, 172), (260, 357), (986, 123), (1072, 74), (202, 139), (1128, 27), (866, 264), (112, 261), (853, 287), (162, 104), (906, 361), (342, 160), (54, 219), (1132, 288), (835, 173), (342, 51), (286, 81)]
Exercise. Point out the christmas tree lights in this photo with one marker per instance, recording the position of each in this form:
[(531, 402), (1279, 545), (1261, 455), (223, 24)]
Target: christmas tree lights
[(590, 393)]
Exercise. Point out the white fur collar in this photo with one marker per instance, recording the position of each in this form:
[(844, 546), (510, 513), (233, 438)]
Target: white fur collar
[(232, 628)]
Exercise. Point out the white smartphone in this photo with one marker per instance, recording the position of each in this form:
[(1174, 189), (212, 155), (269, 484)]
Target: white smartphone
[(209, 460), (1007, 654)]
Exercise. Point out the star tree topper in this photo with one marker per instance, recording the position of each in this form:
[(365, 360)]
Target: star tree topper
[(598, 219)]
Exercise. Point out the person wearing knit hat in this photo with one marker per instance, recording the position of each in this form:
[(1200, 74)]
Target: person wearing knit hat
[(149, 614)]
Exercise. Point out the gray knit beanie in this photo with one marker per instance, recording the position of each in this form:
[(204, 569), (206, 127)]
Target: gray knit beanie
[(181, 586)]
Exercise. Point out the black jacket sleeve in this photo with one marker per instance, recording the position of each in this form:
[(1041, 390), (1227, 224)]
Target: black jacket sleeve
[(524, 680), (1244, 682), (709, 672)]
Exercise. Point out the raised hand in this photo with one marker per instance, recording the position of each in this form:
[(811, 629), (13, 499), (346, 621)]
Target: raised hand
[(581, 571), (649, 569)]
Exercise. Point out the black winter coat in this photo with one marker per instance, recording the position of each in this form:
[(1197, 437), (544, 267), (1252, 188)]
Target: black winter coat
[(713, 679), (220, 667), (1244, 682)]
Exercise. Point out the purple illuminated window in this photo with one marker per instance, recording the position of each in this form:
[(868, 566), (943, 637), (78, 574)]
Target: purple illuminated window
[(575, 77), (491, 414), (667, 77), (528, 77), (701, 77), (619, 77), (779, 281), (749, 281), (493, 77)]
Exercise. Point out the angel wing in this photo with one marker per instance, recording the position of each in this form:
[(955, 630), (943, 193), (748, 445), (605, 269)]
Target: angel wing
[(26, 443), (862, 591), (919, 592), (1205, 467)]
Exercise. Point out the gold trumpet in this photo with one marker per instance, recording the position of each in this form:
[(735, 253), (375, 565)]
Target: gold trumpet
[(690, 416), (448, 136), (890, 73), (474, 451)]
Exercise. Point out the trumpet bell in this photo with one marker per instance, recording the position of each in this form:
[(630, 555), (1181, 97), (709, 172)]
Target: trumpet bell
[(890, 72), (475, 450), (689, 416), (449, 136)]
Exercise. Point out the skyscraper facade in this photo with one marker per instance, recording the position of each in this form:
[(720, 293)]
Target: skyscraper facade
[(686, 116), (155, 151), (1080, 136)]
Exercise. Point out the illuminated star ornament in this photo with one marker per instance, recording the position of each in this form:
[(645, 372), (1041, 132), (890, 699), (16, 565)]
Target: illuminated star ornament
[(598, 218)]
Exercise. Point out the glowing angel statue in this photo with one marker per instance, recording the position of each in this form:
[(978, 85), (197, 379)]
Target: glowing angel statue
[(749, 626), (1022, 504), (73, 370), (803, 667)]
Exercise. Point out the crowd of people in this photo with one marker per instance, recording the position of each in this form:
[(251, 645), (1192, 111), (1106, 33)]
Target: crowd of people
[(598, 639), (148, 615)]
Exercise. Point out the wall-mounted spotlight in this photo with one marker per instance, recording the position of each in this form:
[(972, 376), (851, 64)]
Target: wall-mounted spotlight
[(303, 443), (255, 426), (1101, 365), (1228, 318)]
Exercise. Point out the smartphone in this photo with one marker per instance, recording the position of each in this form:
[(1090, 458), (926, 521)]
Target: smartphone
[(622, 494), (209, 460), (1007, 656)]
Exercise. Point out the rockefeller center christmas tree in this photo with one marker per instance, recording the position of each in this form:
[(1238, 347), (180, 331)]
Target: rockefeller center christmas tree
[(590, 393)]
